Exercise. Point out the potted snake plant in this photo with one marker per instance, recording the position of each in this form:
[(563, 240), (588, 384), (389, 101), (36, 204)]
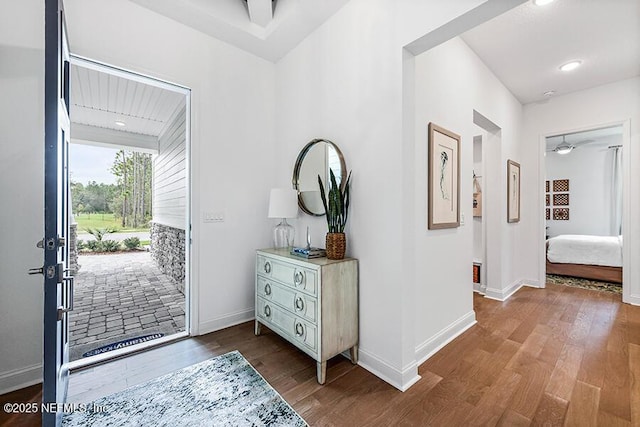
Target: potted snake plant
[(336, 208)]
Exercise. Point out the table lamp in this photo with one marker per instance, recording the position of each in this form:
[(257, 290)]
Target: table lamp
[(283, 203)]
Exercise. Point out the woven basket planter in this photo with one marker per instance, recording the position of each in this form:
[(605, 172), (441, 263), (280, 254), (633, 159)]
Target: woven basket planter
[(336, 245)]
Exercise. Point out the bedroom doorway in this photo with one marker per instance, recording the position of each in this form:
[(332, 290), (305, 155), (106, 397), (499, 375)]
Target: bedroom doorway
[(583, 202)]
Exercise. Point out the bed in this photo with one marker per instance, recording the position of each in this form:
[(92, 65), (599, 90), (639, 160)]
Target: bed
[(588, 257)]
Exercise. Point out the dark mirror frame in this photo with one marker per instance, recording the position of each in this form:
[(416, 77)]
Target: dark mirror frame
[(298, 167)]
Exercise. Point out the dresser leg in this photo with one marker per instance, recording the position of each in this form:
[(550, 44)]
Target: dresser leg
[(322, 371), (258, 328), (353, 352)]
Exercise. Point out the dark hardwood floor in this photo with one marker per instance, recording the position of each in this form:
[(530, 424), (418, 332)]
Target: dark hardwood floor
[(554, 356)]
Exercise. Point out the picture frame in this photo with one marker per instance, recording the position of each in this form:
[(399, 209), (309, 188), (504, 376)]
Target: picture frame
[(513, 191), (443, 184)]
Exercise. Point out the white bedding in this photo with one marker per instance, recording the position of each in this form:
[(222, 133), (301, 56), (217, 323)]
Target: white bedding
[(592, 250)]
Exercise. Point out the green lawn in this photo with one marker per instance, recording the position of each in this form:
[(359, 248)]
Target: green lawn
[(97, 220)]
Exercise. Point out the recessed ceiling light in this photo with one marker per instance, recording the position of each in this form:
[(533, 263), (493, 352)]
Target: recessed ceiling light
[(541, 2), (570, 66), (119, 123), (549, 93)]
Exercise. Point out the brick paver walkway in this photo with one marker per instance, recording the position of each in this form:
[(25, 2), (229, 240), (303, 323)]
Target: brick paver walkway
[(119, 296)]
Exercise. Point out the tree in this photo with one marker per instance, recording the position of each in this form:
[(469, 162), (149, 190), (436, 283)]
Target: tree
[(93, 197), (134, 173)]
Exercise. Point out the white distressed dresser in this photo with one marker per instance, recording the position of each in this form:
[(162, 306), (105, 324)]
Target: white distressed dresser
[(312, 303)]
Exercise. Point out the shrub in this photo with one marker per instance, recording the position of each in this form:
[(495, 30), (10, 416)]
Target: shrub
[(99, 233), (94, 245), (110, 245), (80, 245), (131, 243)]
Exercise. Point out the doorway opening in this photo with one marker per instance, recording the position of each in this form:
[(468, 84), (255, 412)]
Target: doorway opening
[(583, 208), (487, 146), (129, 212)]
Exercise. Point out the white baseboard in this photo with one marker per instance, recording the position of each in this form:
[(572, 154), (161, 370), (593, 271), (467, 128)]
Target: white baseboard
[(444, 337), (632, 299), (503, 294), (400, 379), (532, 283), (228, 320), (20, 378)]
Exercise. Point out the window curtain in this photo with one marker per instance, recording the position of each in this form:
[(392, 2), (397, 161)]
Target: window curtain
[(616, 192)]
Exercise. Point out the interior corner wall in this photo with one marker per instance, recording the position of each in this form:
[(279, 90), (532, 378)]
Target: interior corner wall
[(344, 82), (603, 105), (21, 192), (452, 82), (232, 141)]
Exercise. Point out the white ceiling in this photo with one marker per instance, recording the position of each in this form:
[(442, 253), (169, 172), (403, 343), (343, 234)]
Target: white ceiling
[(603, 136), (525, 46), (99, 99), (232, 22)]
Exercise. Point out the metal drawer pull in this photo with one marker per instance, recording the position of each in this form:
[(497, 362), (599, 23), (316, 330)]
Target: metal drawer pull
[(267, 289), (267, 267), (299, 304), (298, 277), (267, 311), (299, 329)]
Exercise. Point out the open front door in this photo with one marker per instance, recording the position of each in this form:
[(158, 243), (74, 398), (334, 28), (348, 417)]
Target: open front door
[(58, 289)]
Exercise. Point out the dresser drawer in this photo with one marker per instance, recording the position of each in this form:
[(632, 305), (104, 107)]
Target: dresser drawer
[(300, 278), (297, 303), (291, 327)]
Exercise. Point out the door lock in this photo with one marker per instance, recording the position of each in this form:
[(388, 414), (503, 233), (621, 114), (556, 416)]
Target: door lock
[(51, 243)]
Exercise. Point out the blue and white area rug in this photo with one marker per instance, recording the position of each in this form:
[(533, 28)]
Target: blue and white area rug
[(223, 391)]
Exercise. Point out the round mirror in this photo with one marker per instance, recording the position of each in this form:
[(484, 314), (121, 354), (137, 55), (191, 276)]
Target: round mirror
[(316, 158)]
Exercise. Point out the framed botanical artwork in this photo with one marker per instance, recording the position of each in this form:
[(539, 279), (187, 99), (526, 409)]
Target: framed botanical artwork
[(513, 191), (444, 178)]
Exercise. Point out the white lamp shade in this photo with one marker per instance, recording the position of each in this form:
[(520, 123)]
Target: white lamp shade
[(283, 203)]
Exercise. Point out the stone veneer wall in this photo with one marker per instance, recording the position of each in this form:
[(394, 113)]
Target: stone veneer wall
[(73, 249), (168, 251)]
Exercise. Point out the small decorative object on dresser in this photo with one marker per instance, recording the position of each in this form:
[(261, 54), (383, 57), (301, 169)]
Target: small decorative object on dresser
[(336, 207), (312, 303)]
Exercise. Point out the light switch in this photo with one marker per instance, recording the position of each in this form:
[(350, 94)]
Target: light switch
[(213, 216)]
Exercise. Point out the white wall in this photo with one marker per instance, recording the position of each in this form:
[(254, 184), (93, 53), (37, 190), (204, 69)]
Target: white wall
[(169, 174), (589, 171), (232, 139), (21, 192), (232, 156), (452, 82), (603, 105), (345, 83)]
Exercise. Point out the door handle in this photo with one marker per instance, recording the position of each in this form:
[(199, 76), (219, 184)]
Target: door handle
[(39, 270), (62, 310)]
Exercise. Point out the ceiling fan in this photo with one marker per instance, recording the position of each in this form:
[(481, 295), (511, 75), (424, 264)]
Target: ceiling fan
[(565, 148)]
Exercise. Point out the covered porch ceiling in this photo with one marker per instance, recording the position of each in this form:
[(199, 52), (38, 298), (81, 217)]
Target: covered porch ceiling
[(114, 111)]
